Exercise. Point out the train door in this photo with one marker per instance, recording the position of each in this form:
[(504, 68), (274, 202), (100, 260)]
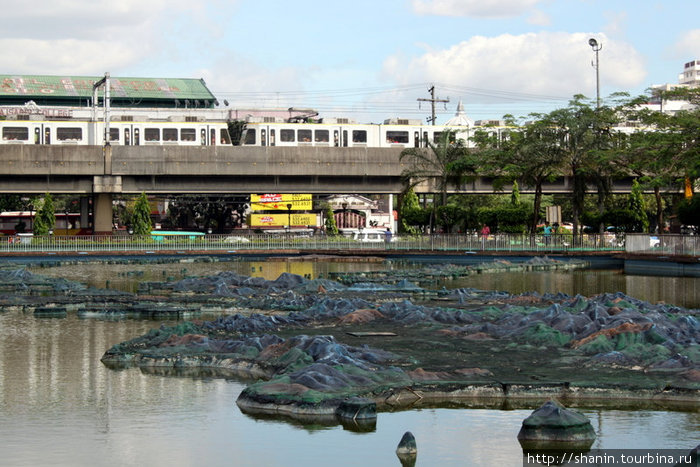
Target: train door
[(42, 134), (345, 138), (425, 139), (212, 136), (137, 137), (263, 137), (127, 136)]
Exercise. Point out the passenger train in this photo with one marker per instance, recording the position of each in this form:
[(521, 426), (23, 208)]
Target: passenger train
[(399, 133), (208, 127), (134, 126)]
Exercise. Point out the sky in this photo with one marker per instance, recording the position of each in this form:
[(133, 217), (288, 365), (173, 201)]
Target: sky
[(368, 60)]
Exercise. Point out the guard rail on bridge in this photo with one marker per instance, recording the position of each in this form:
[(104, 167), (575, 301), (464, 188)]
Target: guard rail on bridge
[(463, 243)]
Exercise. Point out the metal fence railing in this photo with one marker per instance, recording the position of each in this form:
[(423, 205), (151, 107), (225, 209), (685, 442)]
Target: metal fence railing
[(666, 244), (636, 243)]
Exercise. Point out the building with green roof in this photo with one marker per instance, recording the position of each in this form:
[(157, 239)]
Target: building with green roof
[(76, 91)]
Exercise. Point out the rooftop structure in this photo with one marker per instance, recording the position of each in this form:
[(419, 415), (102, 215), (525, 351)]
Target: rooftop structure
[(76, 91), (691, 74), (460, 118)]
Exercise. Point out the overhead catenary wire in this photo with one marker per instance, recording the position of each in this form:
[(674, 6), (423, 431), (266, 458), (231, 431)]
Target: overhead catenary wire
[(393, 101)]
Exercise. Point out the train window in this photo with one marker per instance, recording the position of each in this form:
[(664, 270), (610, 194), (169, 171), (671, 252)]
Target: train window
[(272, 137), (69, 134), (151, 134), (336, 138), (37, 135), (345, 138), (304, 136), (212, 137), (321, 136), (47, 135), (287, 136), (425, 139), (169, 134), (188, 134), (249, 136), (400, 137), (114, 134), (225, 139), (416, 138), (15, 133), (263, 138), (436, 136), (359, 136)]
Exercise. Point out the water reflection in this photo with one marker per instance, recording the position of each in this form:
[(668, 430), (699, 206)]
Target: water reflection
[(60, 406), (680, 291)]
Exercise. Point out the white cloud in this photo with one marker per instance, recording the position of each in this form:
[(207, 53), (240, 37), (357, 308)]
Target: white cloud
[(539, 18), (79, 36), (63, 57), (474, 8), (688, 45), (548, 64)]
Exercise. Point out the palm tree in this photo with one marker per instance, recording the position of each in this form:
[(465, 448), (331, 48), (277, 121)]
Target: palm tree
[(436, 162), (441, 162)]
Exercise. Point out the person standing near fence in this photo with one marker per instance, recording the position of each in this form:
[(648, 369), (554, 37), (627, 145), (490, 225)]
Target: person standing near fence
[(547, 232), (485, 232)]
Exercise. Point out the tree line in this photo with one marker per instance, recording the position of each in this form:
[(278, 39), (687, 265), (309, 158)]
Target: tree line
[(593, 145)]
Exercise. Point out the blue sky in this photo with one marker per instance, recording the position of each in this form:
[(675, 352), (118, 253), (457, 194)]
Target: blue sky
[(368, 60)]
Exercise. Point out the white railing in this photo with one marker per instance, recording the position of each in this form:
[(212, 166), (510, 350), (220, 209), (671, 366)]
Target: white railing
[(464, 243), (666, 244)]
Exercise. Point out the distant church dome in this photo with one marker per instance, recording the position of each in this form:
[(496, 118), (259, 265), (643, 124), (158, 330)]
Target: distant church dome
[(460, 118)]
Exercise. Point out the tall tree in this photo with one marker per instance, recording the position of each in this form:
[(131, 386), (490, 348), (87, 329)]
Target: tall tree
[(45, 219), (436, 162), (534, 156), (141, 216), (638, 208), (586, 136)]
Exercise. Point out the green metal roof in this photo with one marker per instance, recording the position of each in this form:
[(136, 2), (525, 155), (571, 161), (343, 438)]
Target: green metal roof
[(14, 88)]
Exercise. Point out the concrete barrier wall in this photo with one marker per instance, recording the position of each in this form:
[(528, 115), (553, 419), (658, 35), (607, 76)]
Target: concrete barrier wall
[(236, 160), (24, 159)]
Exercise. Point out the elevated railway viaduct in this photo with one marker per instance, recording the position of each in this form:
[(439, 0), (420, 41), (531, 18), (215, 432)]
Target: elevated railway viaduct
[(102, 172)]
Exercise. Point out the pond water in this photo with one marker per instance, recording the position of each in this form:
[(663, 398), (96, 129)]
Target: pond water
[(60, 406), (680, 291)]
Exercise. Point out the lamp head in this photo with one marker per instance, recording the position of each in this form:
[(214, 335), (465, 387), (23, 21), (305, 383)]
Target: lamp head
[(592, 42)]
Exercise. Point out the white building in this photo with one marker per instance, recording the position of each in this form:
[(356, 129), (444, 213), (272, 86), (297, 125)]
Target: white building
[(690, 77)]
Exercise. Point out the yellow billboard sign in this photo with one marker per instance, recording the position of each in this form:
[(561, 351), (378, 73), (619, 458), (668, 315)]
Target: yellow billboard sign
[(279, 202), (280, 220)]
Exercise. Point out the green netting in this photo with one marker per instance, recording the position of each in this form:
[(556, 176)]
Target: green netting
[(600, 344), (541, 334)]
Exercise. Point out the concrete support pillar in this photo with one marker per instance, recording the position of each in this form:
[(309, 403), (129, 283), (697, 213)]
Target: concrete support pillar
[(84, 212), (102, 211)]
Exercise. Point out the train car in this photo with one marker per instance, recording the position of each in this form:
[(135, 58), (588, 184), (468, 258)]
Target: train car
[(394, 133), (66, 223), (129, 126)]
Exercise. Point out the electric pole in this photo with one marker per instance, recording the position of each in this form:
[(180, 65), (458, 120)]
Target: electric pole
[(432, 101)]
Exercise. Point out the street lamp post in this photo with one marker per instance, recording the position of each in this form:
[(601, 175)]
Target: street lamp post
[(596, 48)]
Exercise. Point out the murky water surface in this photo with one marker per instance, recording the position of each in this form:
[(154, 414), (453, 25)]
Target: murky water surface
[(680, 291), (60, 406)]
